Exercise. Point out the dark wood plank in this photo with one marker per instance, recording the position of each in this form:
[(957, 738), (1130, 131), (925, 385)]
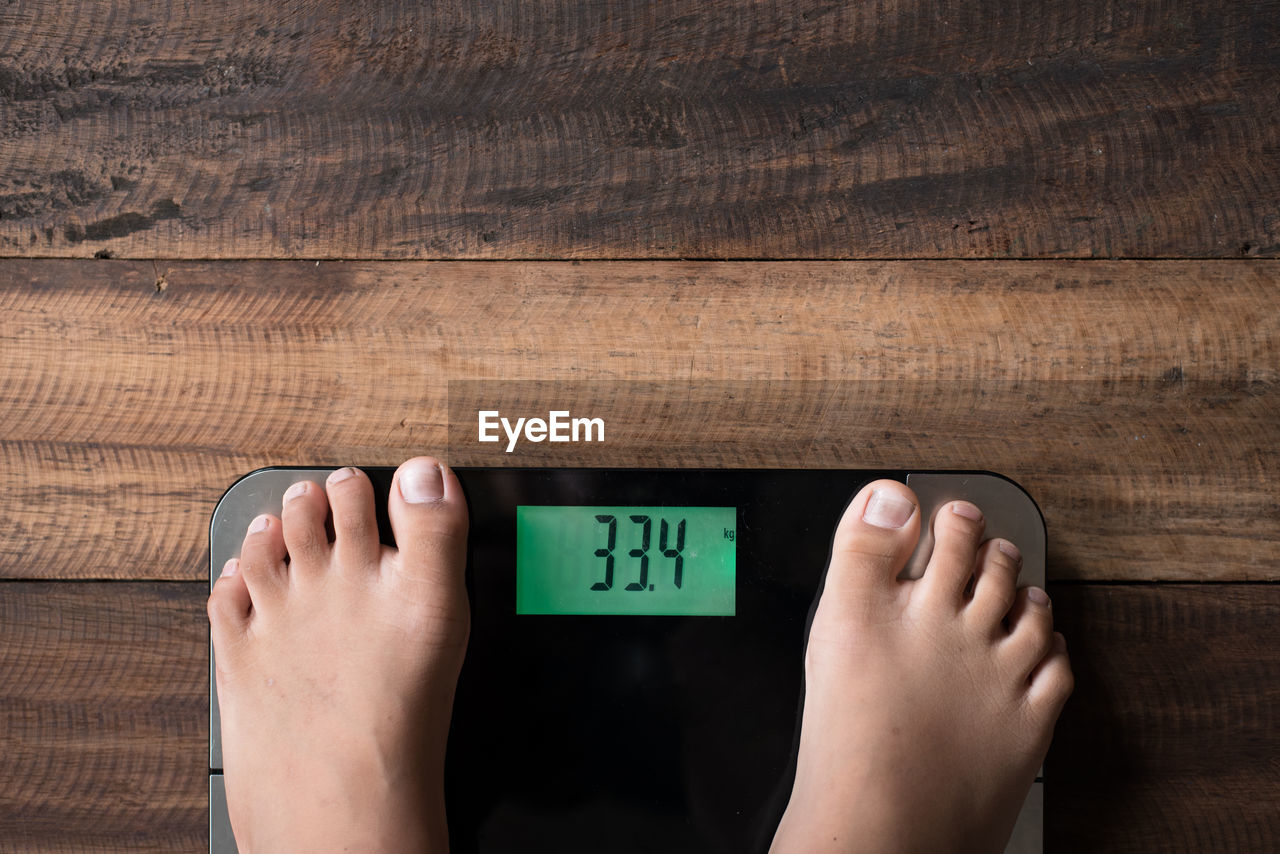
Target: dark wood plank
[(730, 129), (1135, 401), (104, 717), (1170, 740), (1166, 744)]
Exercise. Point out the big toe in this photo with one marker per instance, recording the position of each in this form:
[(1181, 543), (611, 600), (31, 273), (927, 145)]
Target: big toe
[(875, 537), (429, 518)]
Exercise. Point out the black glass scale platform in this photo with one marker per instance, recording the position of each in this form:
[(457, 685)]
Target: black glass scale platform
[(634, 673)]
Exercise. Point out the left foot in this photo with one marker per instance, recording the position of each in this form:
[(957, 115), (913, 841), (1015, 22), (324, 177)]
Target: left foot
[(337, 664)]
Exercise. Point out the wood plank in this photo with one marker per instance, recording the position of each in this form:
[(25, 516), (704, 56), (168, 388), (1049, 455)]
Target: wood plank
[(731, 129), (1164, 745), (1169, 741), (104, 717), (1135, 401)]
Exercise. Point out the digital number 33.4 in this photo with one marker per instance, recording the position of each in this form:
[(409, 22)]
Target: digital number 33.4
[(646, 528)]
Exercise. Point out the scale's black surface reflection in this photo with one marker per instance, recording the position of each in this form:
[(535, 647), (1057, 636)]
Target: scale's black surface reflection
[(636, 733)]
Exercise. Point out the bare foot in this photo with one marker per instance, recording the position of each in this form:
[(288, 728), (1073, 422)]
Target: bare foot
[(337, 663), (929, 704)]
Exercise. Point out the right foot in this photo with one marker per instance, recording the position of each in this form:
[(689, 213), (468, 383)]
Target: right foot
[(337, 663), (929, 704)]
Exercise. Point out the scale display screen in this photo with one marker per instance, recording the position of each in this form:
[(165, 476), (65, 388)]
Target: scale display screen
[(626, 560)]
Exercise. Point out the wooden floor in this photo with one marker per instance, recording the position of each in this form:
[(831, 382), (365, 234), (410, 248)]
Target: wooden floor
[(1034, 238)]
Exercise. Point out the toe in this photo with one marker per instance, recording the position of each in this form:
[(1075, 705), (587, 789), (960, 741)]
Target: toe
[(262, 562), (875, 537), (429, 518), (957, 532), (1030, 632), (303, 517), (995, 585), (228, 606), (355, 522), (1052, 680)]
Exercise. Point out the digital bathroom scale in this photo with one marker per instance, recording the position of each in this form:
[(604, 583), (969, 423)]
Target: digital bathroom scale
[(634, 673)]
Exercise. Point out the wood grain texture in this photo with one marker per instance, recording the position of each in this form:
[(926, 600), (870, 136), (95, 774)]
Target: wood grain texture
[(1166, 744), (1169, 742), (104, 717), (730, 129), (1135, 401)]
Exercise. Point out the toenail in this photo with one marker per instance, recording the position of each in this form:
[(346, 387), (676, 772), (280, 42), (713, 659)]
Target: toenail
[(342, 474), (231, 567), (261, 523), (421, 482), (299, 488), (887, 510), (1035, 594), (967, 510), (1010, 549)]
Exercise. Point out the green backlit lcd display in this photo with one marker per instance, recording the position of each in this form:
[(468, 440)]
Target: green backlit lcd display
[(625, 560)]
